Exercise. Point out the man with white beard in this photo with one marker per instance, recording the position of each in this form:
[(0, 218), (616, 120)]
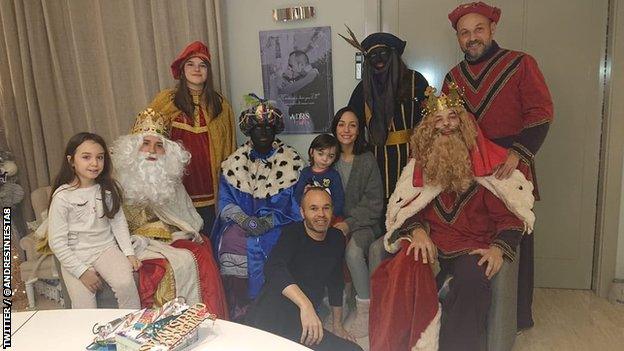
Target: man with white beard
[(447, 206), (177, 259)]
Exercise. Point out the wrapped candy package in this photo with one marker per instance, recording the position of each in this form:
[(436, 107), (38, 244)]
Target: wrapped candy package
[(172, 327)]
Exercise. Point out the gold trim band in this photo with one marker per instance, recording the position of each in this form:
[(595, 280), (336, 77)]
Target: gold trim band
[(399, 137)]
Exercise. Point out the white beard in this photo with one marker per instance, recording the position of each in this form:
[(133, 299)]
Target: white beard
[(148, 181)]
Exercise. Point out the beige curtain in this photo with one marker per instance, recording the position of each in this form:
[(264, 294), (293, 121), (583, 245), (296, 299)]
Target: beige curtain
[(68, 66)]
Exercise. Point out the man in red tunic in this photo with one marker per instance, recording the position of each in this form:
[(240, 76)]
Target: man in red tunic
[(449, 206), (506, 92)]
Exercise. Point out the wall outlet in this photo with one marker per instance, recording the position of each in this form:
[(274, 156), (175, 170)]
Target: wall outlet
[(359, 65)]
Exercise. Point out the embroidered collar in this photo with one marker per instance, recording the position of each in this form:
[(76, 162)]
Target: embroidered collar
[(449, 214)]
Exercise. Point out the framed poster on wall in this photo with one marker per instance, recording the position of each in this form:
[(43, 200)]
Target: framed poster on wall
[(297, 76)]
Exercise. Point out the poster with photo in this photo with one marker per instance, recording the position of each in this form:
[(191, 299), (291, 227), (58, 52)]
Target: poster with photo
[(297, 76)]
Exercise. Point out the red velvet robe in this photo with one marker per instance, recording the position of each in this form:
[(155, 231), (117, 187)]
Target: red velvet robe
[(472, 220), (197, 180), (404, 295), (211, 288), (404, 303)]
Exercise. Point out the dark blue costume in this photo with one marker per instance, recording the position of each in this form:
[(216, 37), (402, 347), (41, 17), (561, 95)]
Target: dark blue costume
[(254, 185)]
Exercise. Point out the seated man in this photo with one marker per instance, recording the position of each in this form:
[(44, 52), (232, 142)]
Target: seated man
[(256, 198), (447, 203), (177, 260), (306, 260)]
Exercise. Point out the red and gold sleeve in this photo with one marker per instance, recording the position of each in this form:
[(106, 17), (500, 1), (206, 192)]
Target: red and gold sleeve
[(537, 108)]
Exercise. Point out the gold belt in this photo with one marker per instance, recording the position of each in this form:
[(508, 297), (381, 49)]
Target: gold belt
[(399, 137)]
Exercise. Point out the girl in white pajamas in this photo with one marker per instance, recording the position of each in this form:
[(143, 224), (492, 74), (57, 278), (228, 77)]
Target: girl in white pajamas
[(87, 229)]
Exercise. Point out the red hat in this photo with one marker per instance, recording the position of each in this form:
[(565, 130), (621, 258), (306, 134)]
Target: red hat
[(194, 49), (485, 157), (491, 12)]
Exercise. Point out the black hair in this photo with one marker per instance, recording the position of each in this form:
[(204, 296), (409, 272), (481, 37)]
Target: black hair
[(360, 145), (67, 174), (298, 54), (322, 142)]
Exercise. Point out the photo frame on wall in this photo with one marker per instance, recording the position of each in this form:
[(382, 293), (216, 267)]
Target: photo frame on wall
[(297, 76)]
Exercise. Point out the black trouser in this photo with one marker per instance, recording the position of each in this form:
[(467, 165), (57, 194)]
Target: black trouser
[(237, 296), (276, 314), (525, 282), (466, 305)]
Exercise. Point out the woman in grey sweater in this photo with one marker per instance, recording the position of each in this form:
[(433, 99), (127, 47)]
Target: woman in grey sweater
[(363, 208)]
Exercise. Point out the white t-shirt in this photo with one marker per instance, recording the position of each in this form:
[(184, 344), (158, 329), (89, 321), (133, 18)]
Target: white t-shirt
[(78, 230)]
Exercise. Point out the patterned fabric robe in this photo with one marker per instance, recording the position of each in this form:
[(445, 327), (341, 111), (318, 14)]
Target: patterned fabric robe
[(392, 157)]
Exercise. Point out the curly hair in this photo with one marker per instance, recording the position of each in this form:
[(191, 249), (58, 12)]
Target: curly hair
[(446, 161), (148, 181)]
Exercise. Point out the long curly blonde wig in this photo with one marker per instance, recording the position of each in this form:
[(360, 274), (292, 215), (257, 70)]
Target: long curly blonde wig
[(445, 159)]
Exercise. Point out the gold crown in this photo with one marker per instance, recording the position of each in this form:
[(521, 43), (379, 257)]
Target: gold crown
[(442, 102), (150, 121)]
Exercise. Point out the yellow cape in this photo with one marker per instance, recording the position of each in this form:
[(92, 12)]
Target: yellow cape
[(220, 130)]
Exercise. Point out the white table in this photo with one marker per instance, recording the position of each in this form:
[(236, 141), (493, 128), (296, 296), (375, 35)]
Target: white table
[(18, 319), (71, 330)]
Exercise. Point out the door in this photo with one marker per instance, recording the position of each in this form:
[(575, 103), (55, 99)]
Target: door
[(567, 38)]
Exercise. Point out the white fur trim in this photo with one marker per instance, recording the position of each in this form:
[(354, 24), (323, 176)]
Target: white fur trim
[(406, 201), (263, 178), (516, 193), (430, 337)]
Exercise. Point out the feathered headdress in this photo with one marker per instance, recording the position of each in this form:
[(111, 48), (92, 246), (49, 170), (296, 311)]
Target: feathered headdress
[(259, 111), (353, 40)]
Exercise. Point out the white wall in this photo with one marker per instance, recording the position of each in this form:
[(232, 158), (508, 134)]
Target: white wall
[(619, 265), (245, 18), (617, 106), (617, 110), (243, 58)]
